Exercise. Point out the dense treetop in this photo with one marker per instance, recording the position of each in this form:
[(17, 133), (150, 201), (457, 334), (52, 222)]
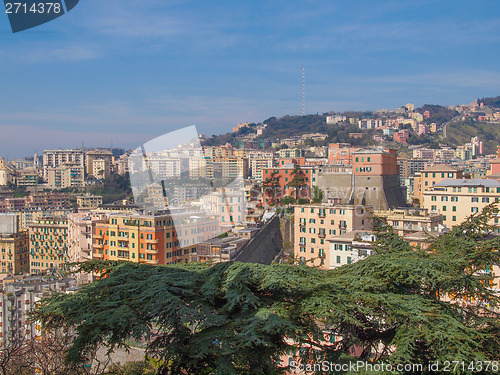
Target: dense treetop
[(237, 318)]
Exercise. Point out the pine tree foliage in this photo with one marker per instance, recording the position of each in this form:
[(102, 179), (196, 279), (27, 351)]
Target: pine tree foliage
[(402, 305)]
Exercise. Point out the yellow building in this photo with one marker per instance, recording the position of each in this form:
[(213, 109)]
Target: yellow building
[(88, 201), (430, 176), (314, 224), (48, 244), (458, 199)]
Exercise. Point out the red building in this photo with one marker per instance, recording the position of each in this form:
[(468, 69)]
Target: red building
[(401, 136), (275, 183)]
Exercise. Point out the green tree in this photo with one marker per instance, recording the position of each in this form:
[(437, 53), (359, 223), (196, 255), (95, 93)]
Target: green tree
[(401, 305), (270, 187), (298, 181), (317, 195)]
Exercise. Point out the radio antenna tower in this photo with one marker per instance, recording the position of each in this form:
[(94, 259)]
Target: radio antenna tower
[(303, 91)]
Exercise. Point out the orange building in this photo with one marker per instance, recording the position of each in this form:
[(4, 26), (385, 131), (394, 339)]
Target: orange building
[(151, 239), (379, 163), (340, 153)]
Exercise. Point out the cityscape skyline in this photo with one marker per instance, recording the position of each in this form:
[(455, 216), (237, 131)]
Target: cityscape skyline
[(128, 71)]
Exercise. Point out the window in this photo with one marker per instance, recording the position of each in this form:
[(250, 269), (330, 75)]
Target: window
[(474, 209), (486, 200), (338, 259), (433, 198), (474, 199), (348, 260), (444, 208), (453, 218), (454, 208)]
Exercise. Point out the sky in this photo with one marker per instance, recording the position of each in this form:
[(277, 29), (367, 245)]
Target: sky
[(123, 72)]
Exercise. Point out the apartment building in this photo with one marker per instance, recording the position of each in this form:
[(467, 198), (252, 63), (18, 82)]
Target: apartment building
[(44, 201), (340, 153), (430, 176), (228, 207), (315, 223), (219, 250), (457, 199), (80, 238), (48, 238), (287, 153), (66, 175), (55, 158), (30, 215), (408, 219), (257, 165), (350, 247), (14, 246), (159, 238), (98, 163), (27, 178), (277, 183), (88, 201), (18, 298)]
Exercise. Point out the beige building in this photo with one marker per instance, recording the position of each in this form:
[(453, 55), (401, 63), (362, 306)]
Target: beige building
[(98, 163), (7, 173), (350, 247), (56, 158), (88, 201), (458, 199), (80, 238), (407, 220), (315, 223), (14, 246), (48, 244), (67, 175), (430, 176)]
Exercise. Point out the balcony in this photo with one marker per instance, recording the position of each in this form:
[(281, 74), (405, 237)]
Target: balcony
[(151, 261), (322, 235), (302, 223), (99, 246), (99, 236), (153, 241), (322, 214), (98, 256)]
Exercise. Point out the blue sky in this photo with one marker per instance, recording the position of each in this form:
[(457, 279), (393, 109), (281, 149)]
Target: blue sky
[(131, 70)]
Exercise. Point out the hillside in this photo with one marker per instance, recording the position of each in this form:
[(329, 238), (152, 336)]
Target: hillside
[(439, 114), (492, 102), (460, 132), (291, 126)]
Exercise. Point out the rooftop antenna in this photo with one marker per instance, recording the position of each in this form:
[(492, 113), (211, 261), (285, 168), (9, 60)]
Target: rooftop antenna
[(303, 91)]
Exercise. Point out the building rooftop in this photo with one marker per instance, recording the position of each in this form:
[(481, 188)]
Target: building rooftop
[(356, 234), (470, 182), (371, 150), (440, 168)]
